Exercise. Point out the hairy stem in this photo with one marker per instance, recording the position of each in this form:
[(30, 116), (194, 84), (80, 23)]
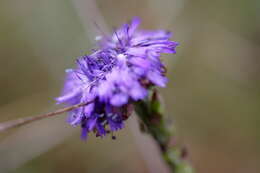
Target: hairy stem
[(22, 121), (153, 122)]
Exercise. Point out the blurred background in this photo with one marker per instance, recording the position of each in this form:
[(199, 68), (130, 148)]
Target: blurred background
[(213, 95)]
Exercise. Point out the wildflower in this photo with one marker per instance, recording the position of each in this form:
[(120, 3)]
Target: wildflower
[(114, 76)]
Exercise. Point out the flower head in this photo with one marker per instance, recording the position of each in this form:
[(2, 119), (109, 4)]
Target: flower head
[(117, 74)]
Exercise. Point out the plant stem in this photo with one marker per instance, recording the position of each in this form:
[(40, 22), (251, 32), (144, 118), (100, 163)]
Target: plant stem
[(153, 122), (22, 121)]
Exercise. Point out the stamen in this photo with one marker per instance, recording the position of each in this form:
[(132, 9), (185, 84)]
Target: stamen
[(109, 115), (104, 122), (114, 117), (101, 115), (99, 37), (69, 70)]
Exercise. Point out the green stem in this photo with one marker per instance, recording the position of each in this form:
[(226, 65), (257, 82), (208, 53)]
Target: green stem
[(153, 122)]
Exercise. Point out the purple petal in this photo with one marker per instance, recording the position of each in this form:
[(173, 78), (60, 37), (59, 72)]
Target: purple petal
[(75, 117), (119, 99), (137, 51), (141, 62), (134, 24), (91, 123), (100, 130), (84, 133), (105, 89), (137, 92), (114, 126), (157, 79), (68, 97)]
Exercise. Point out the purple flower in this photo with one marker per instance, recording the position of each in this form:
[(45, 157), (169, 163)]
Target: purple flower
[(116, 75)]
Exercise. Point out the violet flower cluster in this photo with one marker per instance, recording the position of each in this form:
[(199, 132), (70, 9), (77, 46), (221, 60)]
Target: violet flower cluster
[(119, 73)]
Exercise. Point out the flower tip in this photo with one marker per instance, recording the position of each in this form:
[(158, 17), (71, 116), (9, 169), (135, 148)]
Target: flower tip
[(136, 20), (169, 33), (98, 38), (58, 101), (84, 134), (177, 43), (69, 70)]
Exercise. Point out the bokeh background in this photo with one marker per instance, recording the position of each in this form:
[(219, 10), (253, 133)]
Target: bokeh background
[(213, 95)]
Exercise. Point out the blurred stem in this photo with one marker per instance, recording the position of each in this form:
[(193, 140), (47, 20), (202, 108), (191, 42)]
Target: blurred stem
[(153, 122), (22, 121)]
